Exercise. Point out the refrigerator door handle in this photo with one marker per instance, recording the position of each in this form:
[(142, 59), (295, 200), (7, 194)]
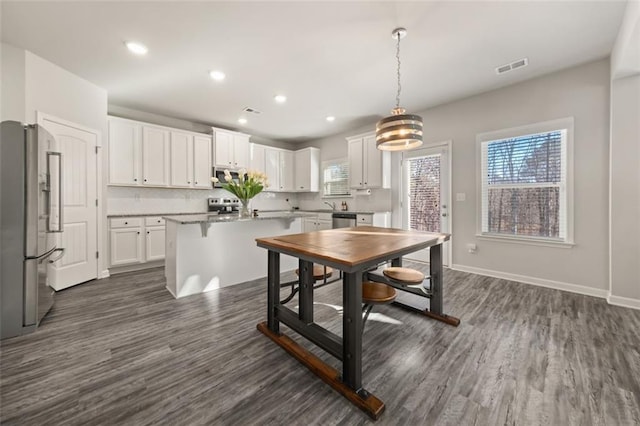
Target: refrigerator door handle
[(60, 256), (60, 216)]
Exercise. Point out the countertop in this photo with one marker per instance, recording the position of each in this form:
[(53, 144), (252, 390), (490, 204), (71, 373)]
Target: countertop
[(215, 218), (117, 215)]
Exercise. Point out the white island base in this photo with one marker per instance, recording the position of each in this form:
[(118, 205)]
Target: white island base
[(203, 255)]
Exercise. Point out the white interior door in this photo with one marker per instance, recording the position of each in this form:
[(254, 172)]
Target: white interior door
[(426, 194), (79, 180)]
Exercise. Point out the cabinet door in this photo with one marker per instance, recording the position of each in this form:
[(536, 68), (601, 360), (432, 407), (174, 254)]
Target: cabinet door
[(202, 162), (356, 167), (372, 173), (240, 151), (272, 169), (286, 171), (155, 156), (302, 170), (324, 224), (223, 149), (181, 155), (309, 224), (124, 152), (258, 158), (155, 243), (126, 247)]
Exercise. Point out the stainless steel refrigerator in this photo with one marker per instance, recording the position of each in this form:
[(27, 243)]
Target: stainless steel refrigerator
[(30, 219)]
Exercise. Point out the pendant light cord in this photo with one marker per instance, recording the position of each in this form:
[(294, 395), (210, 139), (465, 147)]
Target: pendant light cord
[(398, 59)]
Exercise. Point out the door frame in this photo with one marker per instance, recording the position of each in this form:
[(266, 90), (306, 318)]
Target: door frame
[(41, 117), (447, 144)]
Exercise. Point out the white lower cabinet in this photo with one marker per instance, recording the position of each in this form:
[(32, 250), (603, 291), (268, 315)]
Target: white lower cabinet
[(317, 223), (154, 243), (127, 245)]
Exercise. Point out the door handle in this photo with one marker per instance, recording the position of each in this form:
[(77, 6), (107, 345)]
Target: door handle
[(60, 228), (61, 250)]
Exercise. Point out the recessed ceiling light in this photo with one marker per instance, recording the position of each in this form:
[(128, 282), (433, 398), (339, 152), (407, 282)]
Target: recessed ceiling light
[(280, 99), (217, 75), (137, 48), (242, 120), (331, 118)]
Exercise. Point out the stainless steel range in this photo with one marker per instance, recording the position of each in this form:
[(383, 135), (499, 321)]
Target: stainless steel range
[(224, 205)]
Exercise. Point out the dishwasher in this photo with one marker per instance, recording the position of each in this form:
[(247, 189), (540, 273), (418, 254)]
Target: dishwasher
[(344, 220)]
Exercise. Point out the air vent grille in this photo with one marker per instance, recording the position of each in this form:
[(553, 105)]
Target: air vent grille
[(251, 110), (512, 66)]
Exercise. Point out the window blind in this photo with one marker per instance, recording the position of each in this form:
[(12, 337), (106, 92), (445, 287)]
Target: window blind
[(524, 186), (336, 178)]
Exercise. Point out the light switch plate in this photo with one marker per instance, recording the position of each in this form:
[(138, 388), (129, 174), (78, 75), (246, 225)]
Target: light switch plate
[(461, 196)]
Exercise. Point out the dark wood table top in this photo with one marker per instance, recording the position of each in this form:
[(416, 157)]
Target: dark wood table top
[(351, 248)]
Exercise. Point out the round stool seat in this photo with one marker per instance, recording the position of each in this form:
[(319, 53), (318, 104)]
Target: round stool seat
[(373, 292), (404, 275), (318, 272)]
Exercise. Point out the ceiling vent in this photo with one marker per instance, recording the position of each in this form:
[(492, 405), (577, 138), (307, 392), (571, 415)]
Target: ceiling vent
[(512, 66), (251, 110)]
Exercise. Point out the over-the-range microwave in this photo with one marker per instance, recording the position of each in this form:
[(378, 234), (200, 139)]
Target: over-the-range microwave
[(219, 173)]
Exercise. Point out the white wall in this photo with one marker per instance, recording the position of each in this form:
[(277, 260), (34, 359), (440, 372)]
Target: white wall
[(581, 92), (13, 85)]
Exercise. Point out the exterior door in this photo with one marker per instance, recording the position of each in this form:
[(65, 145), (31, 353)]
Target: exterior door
[(80, 213), (426, 195)]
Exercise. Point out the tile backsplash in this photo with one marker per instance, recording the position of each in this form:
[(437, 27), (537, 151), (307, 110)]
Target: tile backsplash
[(128, 200)]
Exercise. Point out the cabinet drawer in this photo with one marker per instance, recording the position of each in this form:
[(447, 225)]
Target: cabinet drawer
[(364, 219), (126, 222), (154, 221), (324, 216)]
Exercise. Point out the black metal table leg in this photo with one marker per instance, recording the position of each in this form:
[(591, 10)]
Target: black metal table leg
[(273, 290), (396, 262), (352, 330), (305, 309), (435, 266)]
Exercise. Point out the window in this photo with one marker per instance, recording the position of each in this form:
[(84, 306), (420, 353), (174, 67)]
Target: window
[(525, 182), (335, 178)]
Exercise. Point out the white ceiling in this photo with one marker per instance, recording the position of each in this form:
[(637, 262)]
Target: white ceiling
[(328, 58)]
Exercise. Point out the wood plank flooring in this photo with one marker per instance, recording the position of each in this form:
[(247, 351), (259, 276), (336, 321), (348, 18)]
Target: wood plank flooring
[(123, 351)]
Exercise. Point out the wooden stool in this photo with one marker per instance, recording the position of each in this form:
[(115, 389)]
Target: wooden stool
[(404, 276), (320, 272), (374, 293)]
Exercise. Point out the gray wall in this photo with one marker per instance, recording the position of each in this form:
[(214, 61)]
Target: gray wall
[(581, 92), (625, 188)]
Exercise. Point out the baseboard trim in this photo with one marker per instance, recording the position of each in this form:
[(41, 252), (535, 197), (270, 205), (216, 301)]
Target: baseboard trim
[(540, 282), (625, 302)]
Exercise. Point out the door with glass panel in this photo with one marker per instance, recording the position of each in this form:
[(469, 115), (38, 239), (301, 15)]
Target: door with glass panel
[(426, 195)]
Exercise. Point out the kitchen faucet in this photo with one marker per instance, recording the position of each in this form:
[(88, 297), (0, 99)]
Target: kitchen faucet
[(332, 205)]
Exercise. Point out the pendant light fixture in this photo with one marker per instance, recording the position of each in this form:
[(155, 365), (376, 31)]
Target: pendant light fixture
[(399, 131)]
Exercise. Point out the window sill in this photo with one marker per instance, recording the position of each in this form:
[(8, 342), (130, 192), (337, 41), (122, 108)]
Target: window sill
[(526, 241)]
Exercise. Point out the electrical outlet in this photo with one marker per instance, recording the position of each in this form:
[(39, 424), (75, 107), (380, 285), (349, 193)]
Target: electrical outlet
[(472, 248)]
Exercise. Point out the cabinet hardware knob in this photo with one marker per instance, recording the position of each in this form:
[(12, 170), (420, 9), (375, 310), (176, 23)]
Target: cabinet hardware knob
[(135, 179), (138, 232), (147, 232), (126, 223), (145, 180), (196, 182), (188, 182)]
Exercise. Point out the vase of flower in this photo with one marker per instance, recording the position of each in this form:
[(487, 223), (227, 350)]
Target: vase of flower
[(250, 183)]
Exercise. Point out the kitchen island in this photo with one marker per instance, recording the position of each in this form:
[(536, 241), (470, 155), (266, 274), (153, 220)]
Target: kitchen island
[(209, 251)]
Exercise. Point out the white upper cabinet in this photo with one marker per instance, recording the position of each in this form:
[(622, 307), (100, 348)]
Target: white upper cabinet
[(125, 152), (202, 162), (368, 166), (286, 175), (181, 159), (150, 155), (257, 159), (155, 156), (307, 170), (231, 149), (272, 168)]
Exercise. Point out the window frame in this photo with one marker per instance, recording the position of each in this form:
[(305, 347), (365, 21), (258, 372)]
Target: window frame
[(563, 124), (328, 163)]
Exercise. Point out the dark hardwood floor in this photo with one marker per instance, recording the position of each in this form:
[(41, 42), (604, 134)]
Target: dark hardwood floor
[(123, 351)]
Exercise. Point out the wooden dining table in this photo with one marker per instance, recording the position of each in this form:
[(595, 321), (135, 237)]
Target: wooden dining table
[(356, 252)]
